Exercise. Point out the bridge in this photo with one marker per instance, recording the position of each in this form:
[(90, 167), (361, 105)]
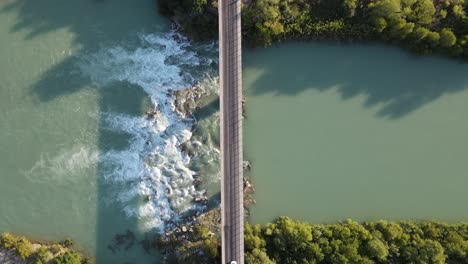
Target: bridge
[(230, 70)]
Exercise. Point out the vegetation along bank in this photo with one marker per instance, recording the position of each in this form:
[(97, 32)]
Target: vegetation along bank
[(424, 26), (19, 250), (287, 241)]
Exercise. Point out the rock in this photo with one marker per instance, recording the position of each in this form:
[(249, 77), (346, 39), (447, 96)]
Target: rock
[(186, 101), (246, 165), (197, 182), (152, 114), (177, 38), (200, 199)]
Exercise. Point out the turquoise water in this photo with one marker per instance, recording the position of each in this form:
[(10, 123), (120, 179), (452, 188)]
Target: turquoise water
[(360, 131), (77, 156), (332, 131)]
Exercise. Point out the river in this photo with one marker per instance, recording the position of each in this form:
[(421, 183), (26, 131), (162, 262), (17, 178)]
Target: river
[(332, 131), (77, 156), (356, 131)]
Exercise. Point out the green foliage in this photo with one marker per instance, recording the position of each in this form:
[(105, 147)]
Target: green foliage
[(349, 7), (43, 255), (423, 12), (423, 25), (24, 248), (68, 242), (20, 244), (384, 13), (8, 241), (68, 257), (447, 38), (192, 16), (288, 241), (46, 253), (377, 249)]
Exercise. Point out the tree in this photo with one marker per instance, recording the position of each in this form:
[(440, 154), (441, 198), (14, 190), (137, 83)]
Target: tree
[(423, 12), (447, 38), (458, 11), (268, 19), (349, 7), (377, 249), (257, 256), (384, 13), (433, 38), (290, 240)]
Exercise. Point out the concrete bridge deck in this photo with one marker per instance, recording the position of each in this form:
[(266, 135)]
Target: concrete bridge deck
[(230, 69)]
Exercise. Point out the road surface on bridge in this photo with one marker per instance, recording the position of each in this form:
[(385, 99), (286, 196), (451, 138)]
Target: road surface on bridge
[(230, 69)]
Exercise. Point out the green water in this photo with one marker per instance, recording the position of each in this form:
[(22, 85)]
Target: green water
[(333, 132), (51, 120), (362, 132)]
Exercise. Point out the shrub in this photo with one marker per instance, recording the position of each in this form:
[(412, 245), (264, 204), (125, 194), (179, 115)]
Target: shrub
[(43, 255), (68, 242), (8, 241), (68, 257), (24, 248)]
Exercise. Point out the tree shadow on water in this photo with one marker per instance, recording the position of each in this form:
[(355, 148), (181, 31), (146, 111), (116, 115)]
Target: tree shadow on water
[(389, 79), (93, 24)]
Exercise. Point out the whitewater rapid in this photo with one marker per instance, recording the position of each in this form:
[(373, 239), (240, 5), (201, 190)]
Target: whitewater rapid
[(152, 177)]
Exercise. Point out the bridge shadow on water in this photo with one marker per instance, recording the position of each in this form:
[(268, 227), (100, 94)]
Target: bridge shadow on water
[(94, 24), (393, 81)]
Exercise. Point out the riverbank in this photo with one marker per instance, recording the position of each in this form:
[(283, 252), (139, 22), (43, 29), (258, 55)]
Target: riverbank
[(19, 250), (289, 241), (423, 26)]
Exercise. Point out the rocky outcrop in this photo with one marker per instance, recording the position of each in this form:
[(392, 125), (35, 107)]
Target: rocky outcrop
[(188, 100), (10, 257)]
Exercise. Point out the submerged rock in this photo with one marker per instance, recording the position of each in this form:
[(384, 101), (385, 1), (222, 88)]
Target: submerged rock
[(152, 114)]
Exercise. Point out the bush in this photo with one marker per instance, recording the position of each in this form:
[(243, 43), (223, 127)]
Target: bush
[(68, 257), (43, 255), (68, 242), (24, 248), (8, 241)]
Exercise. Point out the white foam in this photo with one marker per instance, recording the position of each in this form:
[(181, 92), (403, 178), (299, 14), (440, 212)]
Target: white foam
[(153, 166), (64, 167)]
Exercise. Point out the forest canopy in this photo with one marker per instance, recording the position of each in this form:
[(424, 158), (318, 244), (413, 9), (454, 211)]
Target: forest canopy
[(424, 26), (288, 241)]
